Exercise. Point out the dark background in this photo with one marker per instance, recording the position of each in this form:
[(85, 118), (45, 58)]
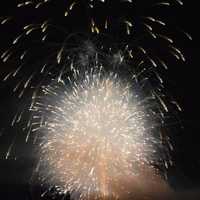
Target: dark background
[(183, 83)]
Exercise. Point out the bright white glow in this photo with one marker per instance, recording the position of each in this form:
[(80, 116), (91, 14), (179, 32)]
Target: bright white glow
[(95, 134)]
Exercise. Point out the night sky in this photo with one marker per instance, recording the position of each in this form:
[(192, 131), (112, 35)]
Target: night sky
[(182, 80)]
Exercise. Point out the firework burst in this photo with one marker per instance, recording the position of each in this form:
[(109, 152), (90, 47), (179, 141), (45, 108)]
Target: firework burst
[(94, 132), (98, 104)]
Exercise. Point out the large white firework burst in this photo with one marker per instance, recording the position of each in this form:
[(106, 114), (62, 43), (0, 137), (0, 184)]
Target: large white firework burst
[(95, 131)]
